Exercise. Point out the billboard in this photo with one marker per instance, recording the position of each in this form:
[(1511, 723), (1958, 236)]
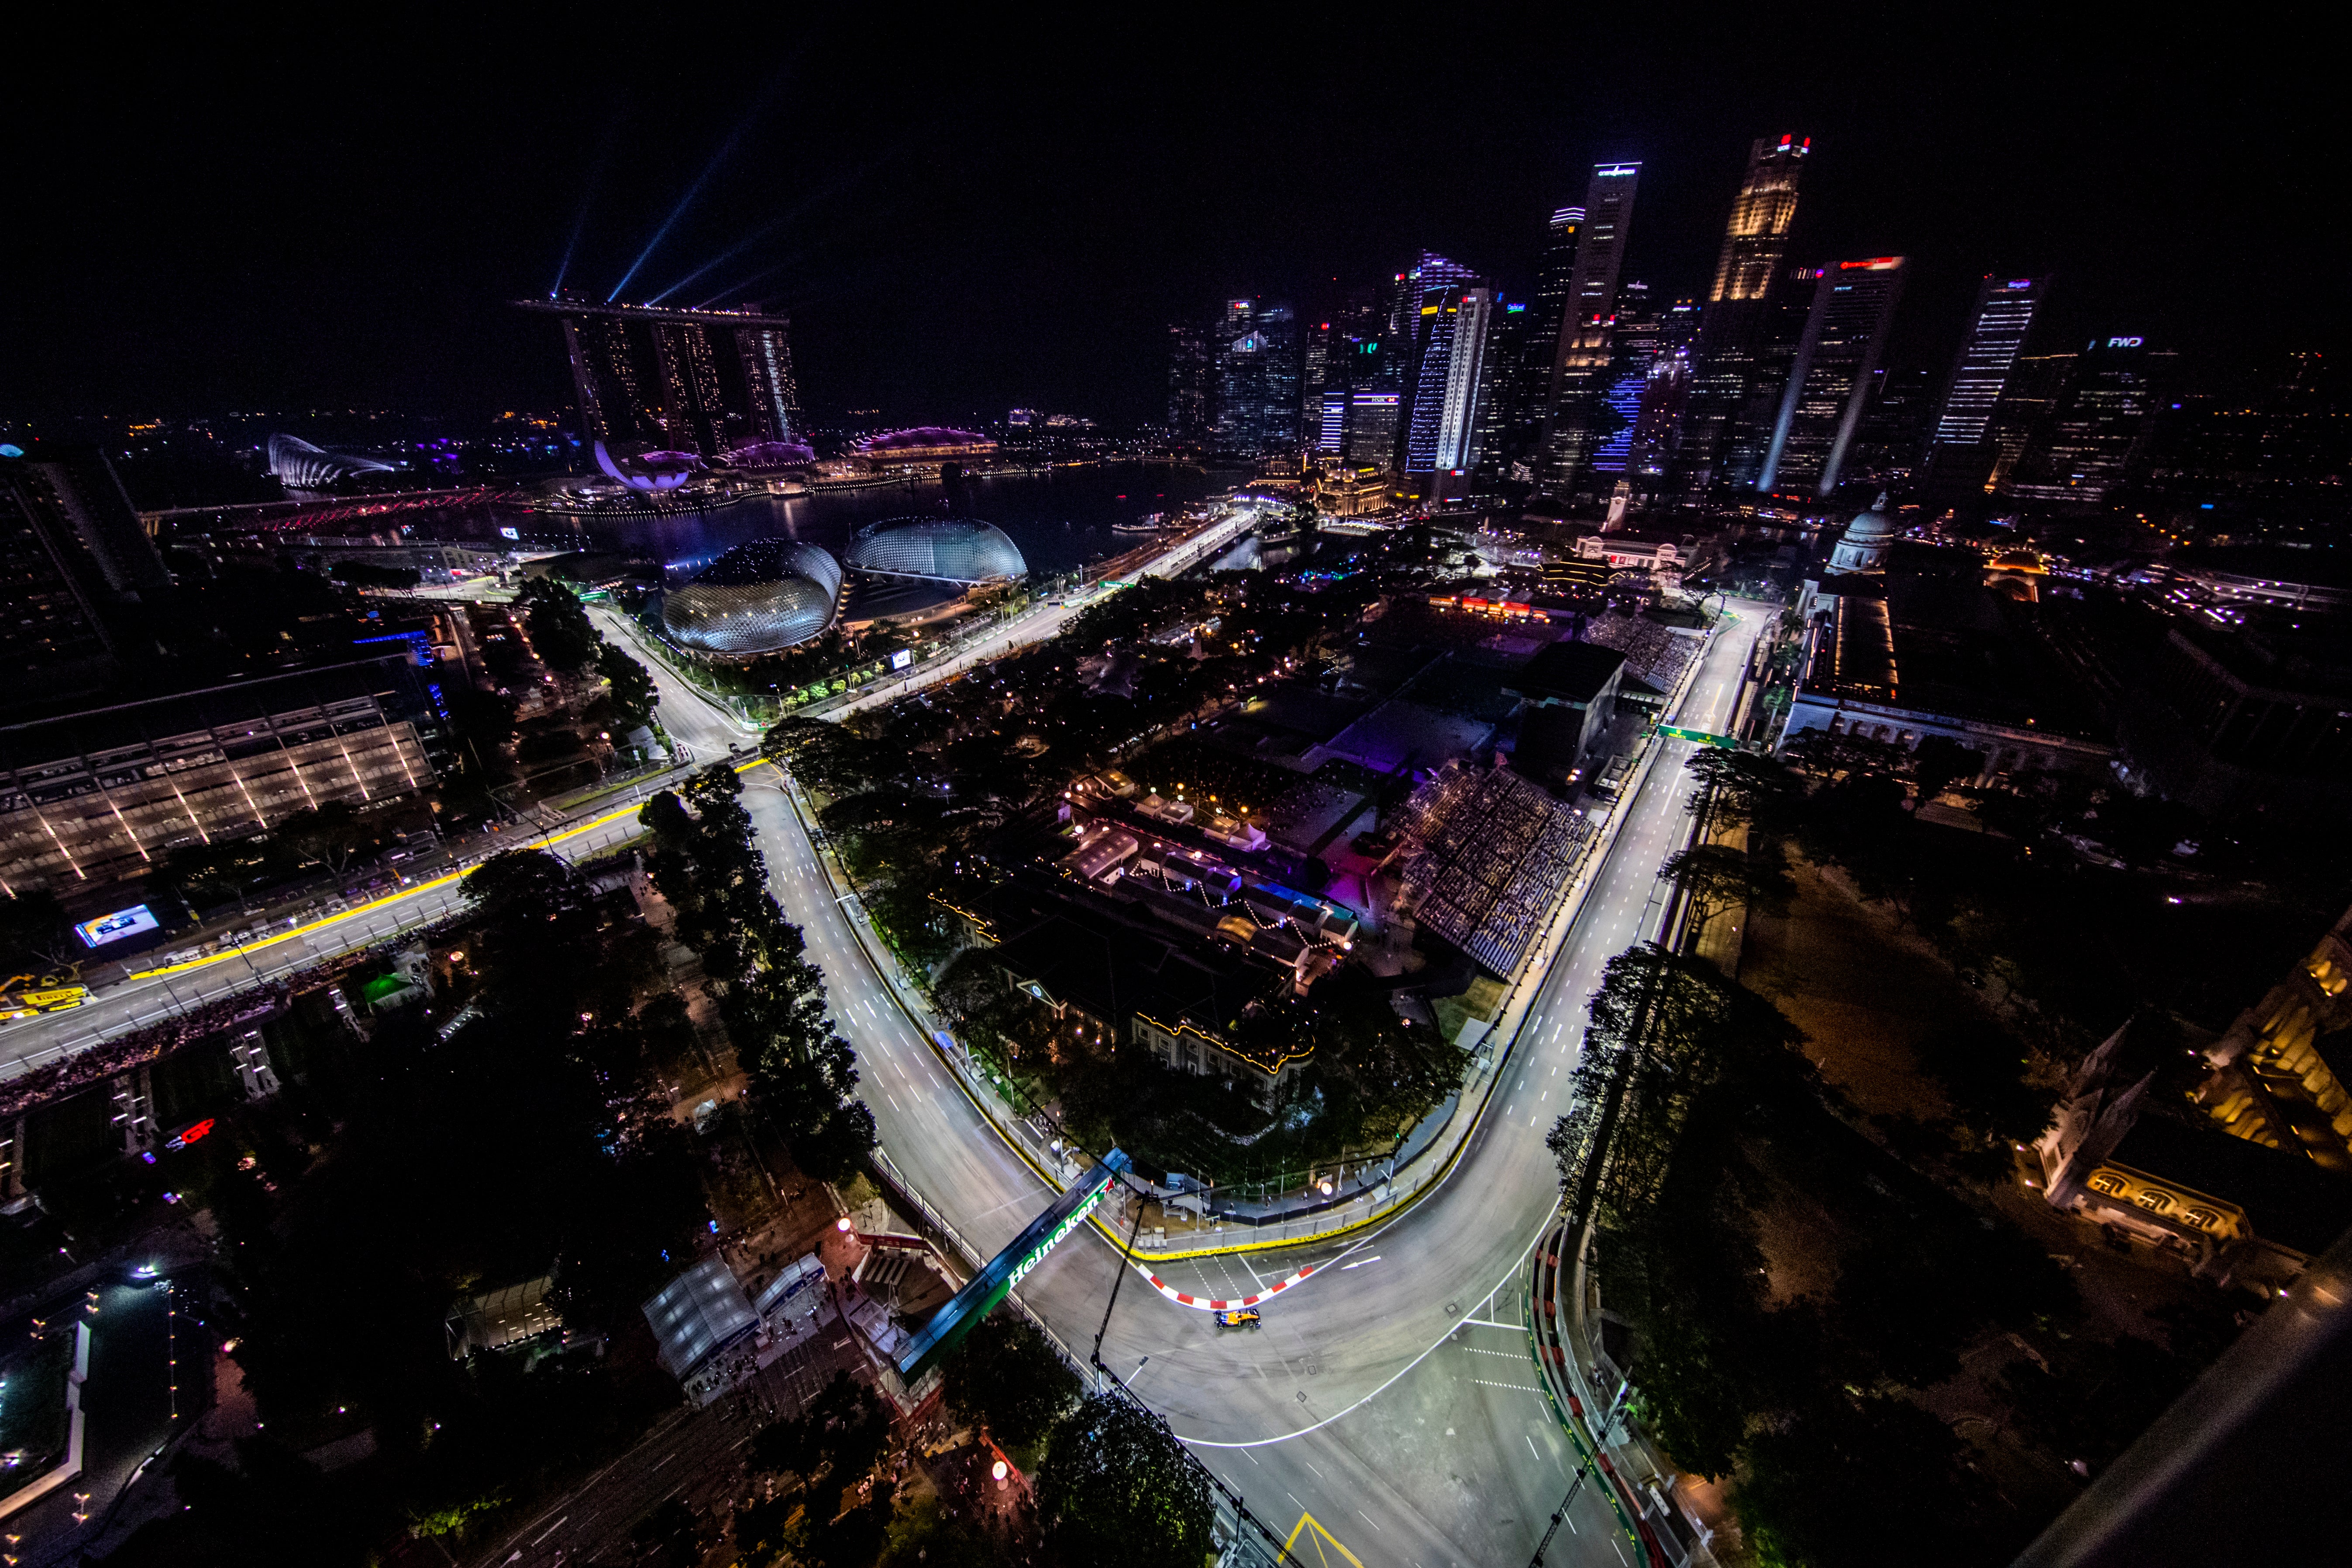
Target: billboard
[(116, 926), (902, 658)]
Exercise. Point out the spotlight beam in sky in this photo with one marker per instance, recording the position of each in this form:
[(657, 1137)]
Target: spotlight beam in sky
[(839, 186), (588, 197), (725, 149)]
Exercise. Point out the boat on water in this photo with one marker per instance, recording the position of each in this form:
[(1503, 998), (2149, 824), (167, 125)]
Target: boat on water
[(1151, 524)]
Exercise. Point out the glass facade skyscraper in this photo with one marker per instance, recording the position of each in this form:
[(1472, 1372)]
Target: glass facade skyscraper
[(1729, 356), (1535, 336), (1831, 377), (2096, 428), (1442, 434), (1997, 330), (1581, 357), (1257, 354)]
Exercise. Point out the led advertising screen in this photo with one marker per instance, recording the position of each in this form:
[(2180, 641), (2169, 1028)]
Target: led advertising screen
[(902, 658), (116, 926)]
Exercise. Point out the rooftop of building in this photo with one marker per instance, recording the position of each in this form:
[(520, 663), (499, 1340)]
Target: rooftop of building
[(100, 729), (1569, 671), (1115, 958), (2290, 1200), (1935, 640)]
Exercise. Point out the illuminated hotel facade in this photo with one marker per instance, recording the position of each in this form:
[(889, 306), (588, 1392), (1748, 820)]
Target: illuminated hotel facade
[(709, 381), (105, 794)]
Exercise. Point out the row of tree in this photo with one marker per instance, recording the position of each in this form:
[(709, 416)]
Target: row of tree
[(803, 1074)]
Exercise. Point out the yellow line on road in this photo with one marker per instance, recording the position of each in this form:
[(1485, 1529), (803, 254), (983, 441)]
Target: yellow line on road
[(1320, 1539), (440, 881)]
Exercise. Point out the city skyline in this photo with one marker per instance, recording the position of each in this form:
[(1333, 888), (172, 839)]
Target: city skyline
[(938, 259)]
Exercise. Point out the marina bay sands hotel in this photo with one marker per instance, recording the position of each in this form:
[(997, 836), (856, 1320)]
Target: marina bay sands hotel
[(708, 382)]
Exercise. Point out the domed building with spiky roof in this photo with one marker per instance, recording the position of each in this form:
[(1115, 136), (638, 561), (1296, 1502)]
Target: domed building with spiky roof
[(759, 597), (959, 549)]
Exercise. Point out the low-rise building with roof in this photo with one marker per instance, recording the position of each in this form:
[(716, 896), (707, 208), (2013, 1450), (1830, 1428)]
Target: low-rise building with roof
[(1899, 648)]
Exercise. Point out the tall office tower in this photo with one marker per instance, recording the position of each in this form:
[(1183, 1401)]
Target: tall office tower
[(1331, 422), (1322, 361), (1373, 417), (2027, 400), (1739, 305), (2097, 428), (1962, 451), (1410, 308), (1581, 358), (2004, 313), (1191, 380), (1441, 428), (1831, 377), (1258, 379), (1499, 410), (1665, 396), (711, 381), (1537, 336), (72, 554), (1633, 348)]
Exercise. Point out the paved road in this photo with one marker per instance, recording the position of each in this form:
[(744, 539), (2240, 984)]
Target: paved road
[(1393, 1400), (1388, 1408)]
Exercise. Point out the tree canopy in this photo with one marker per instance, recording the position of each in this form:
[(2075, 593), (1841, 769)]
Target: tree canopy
[(1116, 1486), (1004, 1377)]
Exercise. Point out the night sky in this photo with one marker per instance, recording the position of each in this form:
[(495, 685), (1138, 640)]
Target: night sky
[(312, 215)]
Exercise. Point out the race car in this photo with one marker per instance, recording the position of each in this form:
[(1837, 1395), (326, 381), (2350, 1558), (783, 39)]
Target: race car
[(1238, 1317)]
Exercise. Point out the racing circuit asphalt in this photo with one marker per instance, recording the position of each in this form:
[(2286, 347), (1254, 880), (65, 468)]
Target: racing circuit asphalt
[(1388, 1410)]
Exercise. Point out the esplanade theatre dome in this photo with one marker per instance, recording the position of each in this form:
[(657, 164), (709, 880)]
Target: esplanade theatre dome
[(936, 548), (1863, 547), (758, 598)]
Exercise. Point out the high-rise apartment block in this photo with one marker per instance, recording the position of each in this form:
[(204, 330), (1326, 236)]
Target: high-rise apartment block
[(1580, 357), (710, 382), (1831, 377)]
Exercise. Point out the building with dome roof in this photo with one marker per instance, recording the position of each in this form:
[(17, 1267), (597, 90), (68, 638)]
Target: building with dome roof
[(1863, 546), (758, 598), (957, 550), (1901, 644)]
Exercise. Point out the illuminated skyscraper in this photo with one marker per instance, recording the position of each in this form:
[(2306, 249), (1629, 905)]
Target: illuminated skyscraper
[(1830, 378), (2096, 430), (1331, 422), (1191, 380), (1581, 357), (1537, 337), (1441, 437), (2004, 313), (1372, 419), (1257, 378), (1728, 359), (710, 382)]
